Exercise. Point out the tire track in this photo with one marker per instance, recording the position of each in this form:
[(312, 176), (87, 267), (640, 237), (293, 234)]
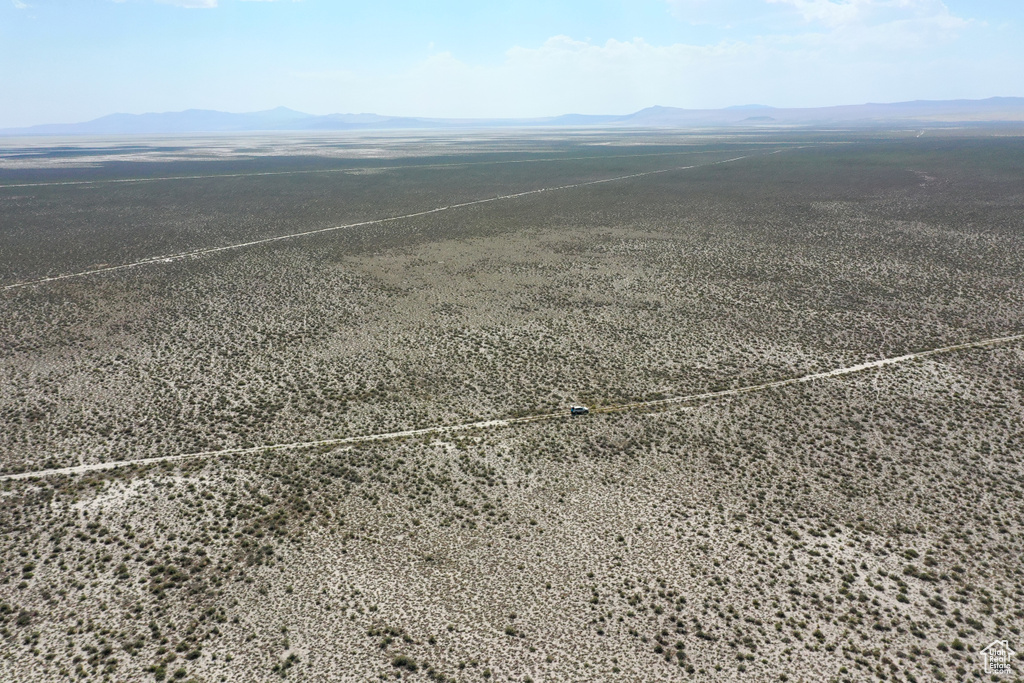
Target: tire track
[(491, 424)]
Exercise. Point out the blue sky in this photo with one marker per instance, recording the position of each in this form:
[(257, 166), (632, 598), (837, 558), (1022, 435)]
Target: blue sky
[(64, 61)]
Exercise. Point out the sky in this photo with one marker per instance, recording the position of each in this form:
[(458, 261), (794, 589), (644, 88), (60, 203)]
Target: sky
[(65, 61)]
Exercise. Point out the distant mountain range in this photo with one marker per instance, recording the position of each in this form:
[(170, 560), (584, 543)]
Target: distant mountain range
[(995, 109)]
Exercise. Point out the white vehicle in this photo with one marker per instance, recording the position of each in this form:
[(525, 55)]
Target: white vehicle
[(579, 410)]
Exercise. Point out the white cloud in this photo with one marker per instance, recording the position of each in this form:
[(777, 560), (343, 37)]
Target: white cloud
[(18, 4), (891, 25), (565, 75), (837, 13), (910, 57), (798, 16)]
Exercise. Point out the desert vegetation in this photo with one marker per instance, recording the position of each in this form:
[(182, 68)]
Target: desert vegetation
[(866, 527)]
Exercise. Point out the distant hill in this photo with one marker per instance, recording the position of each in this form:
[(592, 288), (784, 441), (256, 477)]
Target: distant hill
[(188, 121), (995, 109)]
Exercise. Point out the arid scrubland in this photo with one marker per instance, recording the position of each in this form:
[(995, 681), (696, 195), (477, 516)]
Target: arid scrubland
[(867, 527)]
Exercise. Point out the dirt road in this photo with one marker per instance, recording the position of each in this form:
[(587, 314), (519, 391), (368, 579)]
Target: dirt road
[(490, 424), (168, 258)]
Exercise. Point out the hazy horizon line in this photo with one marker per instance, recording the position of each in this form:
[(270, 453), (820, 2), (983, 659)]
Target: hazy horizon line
[(750, 105)]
